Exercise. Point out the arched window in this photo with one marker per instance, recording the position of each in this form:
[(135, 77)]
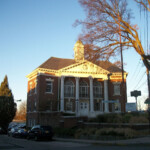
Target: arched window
[(69, 89), (83, 92), (97, 89)]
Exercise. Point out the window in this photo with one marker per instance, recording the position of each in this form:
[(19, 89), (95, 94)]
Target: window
[(35, 87), (68, 106), (29, 106), (35, 105), (49, 86), (117, 107), (30, 88), (69, 89), (116, 88), (97, 89), (97, 106), (83, 92)]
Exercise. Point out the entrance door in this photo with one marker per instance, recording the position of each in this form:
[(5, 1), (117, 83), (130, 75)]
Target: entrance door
[(84, 108)]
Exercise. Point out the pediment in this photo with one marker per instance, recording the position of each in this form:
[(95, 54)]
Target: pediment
[(85, 67)]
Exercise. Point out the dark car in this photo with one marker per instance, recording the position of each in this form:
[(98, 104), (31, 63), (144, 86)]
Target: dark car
[(12, 132), (39, 132), (20, 131)]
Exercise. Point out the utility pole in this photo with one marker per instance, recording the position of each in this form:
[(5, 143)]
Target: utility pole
[(148, 82), (122, 69)]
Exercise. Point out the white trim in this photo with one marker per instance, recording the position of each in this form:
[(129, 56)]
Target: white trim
[(71, 87), (49, 79), (50, 84)]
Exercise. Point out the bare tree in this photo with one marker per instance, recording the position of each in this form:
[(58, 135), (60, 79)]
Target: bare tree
[(21, 112), (107, 27), (144, 3)]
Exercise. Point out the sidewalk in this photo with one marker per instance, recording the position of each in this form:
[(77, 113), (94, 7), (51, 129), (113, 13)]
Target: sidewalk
[(136, 141)]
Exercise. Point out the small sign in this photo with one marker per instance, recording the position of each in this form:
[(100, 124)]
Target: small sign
[(136, 93), (130, 107)]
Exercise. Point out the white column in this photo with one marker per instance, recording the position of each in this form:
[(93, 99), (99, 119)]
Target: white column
[(106, 95), (91, 95), (62, 94), (77, 96)]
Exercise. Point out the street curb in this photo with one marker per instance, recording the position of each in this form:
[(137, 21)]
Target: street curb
[(110, 143)]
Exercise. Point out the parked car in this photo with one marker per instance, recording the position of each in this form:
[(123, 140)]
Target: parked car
[(17, 130), (12, 131), (39, 132), (12, 126), (22, 132)]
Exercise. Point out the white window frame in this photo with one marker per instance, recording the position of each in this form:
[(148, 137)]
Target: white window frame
[(69, 89), (97, 89), (116, 88), (49, 82), (83, 89)]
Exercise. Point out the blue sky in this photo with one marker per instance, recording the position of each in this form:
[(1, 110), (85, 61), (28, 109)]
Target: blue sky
[(31, 31)]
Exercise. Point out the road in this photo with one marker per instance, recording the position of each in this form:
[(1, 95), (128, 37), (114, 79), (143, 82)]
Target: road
[(7, 143)]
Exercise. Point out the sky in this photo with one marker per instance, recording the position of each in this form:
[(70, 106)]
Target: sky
[(32, 31)]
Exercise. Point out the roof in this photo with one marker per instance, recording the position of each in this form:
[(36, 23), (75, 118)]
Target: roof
[(55, 63), (108, 66)]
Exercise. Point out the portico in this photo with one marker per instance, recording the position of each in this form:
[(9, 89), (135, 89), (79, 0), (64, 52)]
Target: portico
[(82, 92)]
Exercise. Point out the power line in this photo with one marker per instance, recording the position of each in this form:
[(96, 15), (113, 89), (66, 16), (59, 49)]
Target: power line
[(134, 77), (142, 84), (140, 80), (134, 71)]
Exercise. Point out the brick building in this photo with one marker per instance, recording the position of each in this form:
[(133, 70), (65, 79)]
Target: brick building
[(75, 87)]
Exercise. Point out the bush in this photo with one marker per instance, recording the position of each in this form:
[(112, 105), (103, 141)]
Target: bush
[(126, 117), (120, 132), (121, 118), (139, 119), (108, 118), (109, 132)]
